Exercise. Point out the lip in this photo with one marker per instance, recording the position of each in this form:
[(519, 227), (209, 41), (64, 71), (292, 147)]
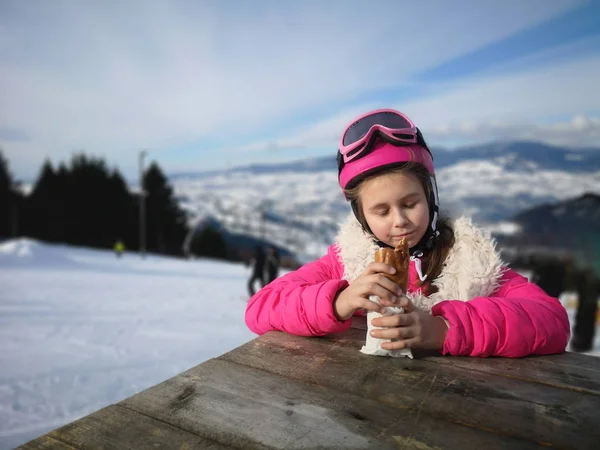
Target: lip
[(402, 236)]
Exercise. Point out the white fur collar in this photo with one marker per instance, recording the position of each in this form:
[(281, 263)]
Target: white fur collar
[(473, 267)]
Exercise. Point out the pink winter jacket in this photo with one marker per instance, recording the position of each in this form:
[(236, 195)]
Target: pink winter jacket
[(518, 319)]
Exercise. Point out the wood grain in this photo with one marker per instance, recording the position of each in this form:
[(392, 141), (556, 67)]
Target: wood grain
[(116, 427), (578, 372), (253, 409), (518, 408)]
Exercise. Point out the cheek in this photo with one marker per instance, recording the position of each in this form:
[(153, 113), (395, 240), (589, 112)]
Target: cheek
[(422, 217), (378, 225)]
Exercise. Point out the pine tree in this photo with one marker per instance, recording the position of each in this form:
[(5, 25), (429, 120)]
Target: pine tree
[(6, 198), (84, 203), (165, 220), (45, 215), (124, 217)]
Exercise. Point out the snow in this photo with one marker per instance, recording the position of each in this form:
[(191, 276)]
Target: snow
[(81, 329), (504, 228)]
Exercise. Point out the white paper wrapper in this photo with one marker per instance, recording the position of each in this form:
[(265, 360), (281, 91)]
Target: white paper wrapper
[(373, 345)]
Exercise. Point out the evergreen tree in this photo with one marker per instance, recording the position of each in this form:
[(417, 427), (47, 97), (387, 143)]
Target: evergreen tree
[(88, 208), (6, 198), (165, 221), (85, 203), (125, 217), (45, 215)]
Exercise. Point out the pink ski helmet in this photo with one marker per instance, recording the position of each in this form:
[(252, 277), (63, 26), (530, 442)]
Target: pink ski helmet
[(377, 139), (380, 139)]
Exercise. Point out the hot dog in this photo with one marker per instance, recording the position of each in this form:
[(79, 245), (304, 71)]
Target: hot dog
[(399, 258)]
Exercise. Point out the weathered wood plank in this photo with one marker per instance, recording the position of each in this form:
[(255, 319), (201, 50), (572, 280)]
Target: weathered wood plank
[(534, 369), (509, 406), (568, 370), (253, 409), (116, 427), (45, 442)]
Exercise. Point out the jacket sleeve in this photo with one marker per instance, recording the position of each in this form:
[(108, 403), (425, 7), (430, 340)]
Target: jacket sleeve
[(300, 302), (519, 320)]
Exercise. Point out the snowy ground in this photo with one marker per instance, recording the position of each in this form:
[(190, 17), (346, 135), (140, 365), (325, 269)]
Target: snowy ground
[(81, 329)]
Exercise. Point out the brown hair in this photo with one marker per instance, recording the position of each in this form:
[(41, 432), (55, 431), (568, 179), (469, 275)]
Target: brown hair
[(434, 258)]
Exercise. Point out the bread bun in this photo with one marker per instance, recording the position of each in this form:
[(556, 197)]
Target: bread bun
[(399, 258)]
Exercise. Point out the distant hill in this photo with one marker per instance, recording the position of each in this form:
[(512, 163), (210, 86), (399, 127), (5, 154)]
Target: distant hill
[(520, 155), (568, 227), (578, 216), (298, 205)]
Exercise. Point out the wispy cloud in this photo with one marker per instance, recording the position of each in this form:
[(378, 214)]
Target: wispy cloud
[(114, 77), (506, 107)]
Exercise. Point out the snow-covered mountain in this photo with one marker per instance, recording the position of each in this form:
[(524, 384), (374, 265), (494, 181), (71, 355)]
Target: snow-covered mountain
[(298, 205)]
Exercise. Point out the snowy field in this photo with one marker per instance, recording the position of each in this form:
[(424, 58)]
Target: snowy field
[(81, 329)]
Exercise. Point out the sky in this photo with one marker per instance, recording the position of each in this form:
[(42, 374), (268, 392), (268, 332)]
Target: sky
[(206, 85)]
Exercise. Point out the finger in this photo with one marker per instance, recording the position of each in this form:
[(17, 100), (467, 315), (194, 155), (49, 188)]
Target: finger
[(394, 333), (401, 344), (371, 286), (369, 305), (395, 320), (407, 304), (379, 267), (384, 281)]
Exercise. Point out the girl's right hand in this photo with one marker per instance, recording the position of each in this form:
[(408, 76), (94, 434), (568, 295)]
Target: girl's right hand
[(370, 282)]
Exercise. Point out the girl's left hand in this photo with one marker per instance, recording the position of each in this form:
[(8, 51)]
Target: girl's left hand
[(412, 329)]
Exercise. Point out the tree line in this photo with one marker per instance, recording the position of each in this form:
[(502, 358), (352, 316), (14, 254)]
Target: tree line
[(86, 203)]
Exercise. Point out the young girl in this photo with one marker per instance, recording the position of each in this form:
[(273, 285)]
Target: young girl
[(461, 299)]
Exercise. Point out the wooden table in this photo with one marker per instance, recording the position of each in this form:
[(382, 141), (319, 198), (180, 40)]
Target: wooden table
[(289, 392)]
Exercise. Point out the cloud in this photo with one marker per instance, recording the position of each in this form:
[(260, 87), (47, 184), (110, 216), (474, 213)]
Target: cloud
[(510, 107), (115, 77), (580, 131)]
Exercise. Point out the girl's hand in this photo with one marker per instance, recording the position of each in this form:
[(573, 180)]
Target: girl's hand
[(412, 329), (370, 282)]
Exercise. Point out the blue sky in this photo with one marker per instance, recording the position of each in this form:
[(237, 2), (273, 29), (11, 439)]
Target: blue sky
[(211, 84)]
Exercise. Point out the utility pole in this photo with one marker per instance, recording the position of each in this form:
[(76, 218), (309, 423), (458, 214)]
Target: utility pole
[(142, 206)]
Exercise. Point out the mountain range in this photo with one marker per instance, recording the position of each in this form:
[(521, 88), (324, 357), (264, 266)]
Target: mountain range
[(298, 205)]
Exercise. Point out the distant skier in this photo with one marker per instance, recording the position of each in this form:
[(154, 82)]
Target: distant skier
[(119, 248), (588, 290), (272, 265), (258, 270)]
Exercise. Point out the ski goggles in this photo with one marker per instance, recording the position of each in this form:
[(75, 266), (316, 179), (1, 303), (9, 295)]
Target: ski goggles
[(387, 124)]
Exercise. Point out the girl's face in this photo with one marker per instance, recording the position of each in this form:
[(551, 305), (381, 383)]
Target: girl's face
[(395, 207)]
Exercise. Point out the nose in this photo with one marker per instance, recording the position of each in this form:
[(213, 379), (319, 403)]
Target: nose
[(400, 218)]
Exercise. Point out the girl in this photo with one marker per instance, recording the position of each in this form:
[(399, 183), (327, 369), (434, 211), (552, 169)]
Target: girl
[(461, 299)]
